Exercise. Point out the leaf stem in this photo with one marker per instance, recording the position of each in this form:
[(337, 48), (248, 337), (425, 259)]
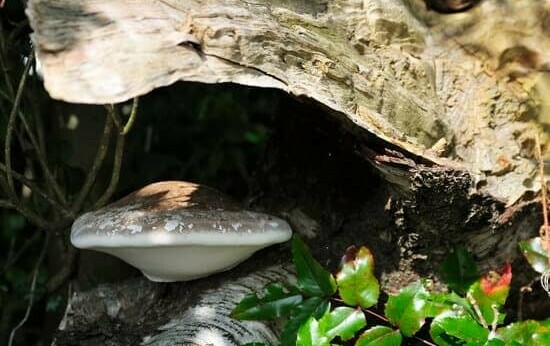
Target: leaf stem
[(117, 163), (372, 313), (17, 255), (34, 188), (477, 310)]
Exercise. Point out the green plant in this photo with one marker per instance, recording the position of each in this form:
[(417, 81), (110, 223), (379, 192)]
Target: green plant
[(322, 309)]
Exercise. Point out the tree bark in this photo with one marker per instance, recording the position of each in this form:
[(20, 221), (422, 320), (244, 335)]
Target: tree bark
[(445, 108)]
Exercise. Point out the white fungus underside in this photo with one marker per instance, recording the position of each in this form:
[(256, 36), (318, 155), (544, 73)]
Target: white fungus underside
[(183, 263)]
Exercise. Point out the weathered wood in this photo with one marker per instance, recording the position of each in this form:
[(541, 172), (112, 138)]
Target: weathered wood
[(142, 312), (467, 87)]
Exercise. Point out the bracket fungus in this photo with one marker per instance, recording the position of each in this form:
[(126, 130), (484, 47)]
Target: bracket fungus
[(178, 231)]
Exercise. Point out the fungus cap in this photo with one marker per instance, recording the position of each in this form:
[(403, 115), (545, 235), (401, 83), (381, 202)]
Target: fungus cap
[(174, 231)]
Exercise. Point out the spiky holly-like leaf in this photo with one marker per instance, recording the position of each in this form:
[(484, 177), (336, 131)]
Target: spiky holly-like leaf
[(357, 284), (276, 302), (380, 336), (455, 328), (407, 309), (313, 279), (343, 322)]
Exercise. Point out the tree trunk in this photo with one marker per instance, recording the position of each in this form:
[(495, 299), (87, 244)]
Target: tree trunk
[(416, 132)]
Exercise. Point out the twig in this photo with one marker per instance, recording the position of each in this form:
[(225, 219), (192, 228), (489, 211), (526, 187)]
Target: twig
[(39, 126), (5, 96), (63, 324), (66, 271), (31, 185), (132, 117), (9, 178), (98, 161), (11, 249), (372, 313), (4, 203), (11, 126), (522, 291), (30, 215), (34, 218), (40, 153), (119, 152), (13, 259), (4, 68), (32, 290), (19, 29), (544, 199), (425, 342), (112, 112)]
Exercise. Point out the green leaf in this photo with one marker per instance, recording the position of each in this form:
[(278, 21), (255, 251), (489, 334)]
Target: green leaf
[(535, 254), (452, 328), (459, 270), (490, 293), (313, 279), (276, 302), (526, 333), (312, 307), (487, 306), (438, 303), (407, 309), (380, 336), (357, 284), (310, 334), (343, 322)]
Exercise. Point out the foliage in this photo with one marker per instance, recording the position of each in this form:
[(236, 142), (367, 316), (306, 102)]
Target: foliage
[(535, 254), (459, 271), (323, 311), (357, 284), (211, 134)]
